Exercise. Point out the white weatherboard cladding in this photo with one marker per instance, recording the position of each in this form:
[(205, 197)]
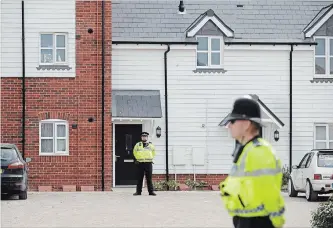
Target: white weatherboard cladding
[(41, 16), (199, 101)]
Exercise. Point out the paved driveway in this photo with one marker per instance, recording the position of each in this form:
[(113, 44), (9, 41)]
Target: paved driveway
[(121, 209)]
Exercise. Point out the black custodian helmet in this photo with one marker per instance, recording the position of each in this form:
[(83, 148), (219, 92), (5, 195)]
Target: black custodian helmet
[(244, 109)]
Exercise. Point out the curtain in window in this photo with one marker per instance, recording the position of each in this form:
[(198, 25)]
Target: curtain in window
[(47, 137), (61, 137)]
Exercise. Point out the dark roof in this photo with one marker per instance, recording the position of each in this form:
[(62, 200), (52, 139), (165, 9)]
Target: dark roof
[(136, 104), (260, 20)]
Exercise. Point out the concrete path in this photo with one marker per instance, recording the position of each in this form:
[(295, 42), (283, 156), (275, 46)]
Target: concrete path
[(121, 209)]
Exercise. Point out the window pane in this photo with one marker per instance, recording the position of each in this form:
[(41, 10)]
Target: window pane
[(61, 55), (331, 65), (330, 133), (47, 130), (61, 41), (46, 56), (320, 133), (320, 145), (61, 145), (46, 40), (331, 145), (46, 145), (320, 65), (202, 59), (320, 47), (203, 43), (61, 130), (331, 46), (216, 44), (216, 58)]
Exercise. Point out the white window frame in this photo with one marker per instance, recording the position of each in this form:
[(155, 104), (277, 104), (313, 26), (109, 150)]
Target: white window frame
[(54, 48), (210, 66), (55, 123), (327, 141), (327, 57)]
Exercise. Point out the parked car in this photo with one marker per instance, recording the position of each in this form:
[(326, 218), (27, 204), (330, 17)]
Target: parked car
[(14, 171), (313, 175)]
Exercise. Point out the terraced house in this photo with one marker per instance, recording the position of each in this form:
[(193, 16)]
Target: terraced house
[(55, 65), (77, 112), (179, 73)]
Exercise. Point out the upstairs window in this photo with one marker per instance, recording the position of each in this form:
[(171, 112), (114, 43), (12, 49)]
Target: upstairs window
[(324, 57), (53, 49), (209, 51), (323, 136)]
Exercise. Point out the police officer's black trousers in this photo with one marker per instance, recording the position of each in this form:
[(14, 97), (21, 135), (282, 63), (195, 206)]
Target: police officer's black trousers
[(254, 222), (145, 169)]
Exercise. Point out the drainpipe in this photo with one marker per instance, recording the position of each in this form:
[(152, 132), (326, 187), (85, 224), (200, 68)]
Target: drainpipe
[(103, 79), (23, 81), (291, 106), (166, 114)]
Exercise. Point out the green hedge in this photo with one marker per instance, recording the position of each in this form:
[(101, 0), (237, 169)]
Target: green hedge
[(322, 217)]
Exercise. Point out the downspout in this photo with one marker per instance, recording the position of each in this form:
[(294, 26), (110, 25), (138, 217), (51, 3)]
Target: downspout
[(23, 81), (291, 106), (103, 78), (166, 114)]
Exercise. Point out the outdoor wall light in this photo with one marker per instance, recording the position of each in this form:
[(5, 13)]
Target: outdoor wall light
[(181, 8), (276, 135), (158, 132)]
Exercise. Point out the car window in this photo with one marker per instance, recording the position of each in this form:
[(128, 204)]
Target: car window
[(309, 160), (8, 154), (302, 163), (325, 160)]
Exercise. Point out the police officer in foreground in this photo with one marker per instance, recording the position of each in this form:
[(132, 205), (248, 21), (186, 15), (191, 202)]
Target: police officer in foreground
[(252, 191), (144, 153)]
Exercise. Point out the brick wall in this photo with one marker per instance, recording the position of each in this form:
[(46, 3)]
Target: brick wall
[(211, 179), (74, 99)]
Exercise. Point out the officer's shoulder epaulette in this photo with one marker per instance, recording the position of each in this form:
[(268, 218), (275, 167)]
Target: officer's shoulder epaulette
[(256, 143), (140, 143)]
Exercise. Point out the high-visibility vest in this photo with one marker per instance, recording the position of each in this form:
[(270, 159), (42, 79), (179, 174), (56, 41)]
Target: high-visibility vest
[(144, 154), (253, 187)]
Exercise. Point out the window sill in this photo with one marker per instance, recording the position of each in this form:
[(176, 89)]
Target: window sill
[(210, 70), (53, 154), (53, 67), (322, 80)]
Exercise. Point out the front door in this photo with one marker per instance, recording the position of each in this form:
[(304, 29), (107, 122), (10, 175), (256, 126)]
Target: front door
[(126, 136)]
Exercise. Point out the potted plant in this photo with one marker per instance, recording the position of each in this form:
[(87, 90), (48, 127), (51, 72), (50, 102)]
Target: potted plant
[(285, 178), (202, 185), (173, 185), (160, 185), (322, 217)]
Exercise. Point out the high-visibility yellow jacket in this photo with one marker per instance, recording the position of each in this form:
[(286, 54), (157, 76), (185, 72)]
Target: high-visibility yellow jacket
[(144, 154), (253, 187)]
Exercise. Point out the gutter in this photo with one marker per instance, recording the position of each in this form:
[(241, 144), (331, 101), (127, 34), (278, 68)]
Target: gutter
[(269, 43), (166, 115), (103, 95), (291, 107), (23, 81), (155, 42)]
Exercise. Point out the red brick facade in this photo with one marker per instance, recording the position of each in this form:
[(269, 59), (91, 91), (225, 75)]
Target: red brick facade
[(211, 179), (73, 99)]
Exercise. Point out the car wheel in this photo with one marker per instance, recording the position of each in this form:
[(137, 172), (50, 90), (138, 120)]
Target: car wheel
[(291, 190), (310, 195), (23, 195)]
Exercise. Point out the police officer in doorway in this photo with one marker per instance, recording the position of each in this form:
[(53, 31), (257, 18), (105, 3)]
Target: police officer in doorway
[(144, 153), (252, 191)]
